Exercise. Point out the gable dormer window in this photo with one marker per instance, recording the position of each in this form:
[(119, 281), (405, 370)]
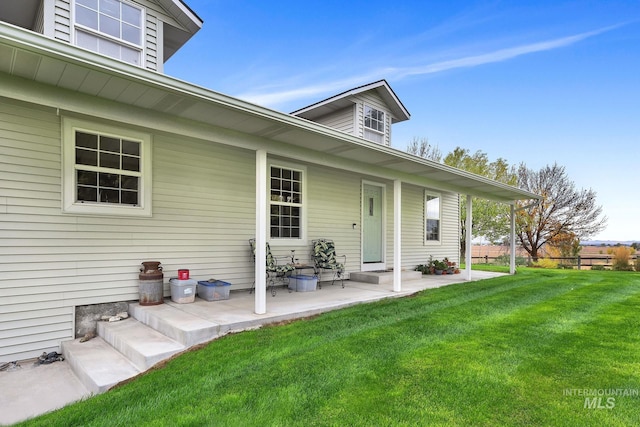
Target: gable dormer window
[(373, 124), (110, 27)]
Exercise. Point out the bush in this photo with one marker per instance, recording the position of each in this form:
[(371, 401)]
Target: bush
[(598, 267), (621, 256), (545, 263), (637, 263)]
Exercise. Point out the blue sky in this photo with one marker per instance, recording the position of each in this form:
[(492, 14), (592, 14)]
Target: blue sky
[(534, 82)]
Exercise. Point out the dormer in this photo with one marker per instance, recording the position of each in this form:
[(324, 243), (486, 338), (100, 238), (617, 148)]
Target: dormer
[(145, 33), (367, 112)]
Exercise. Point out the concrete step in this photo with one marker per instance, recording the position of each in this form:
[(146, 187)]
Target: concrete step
[(97, 364), (141, 344), (179, 325), (383, 277)]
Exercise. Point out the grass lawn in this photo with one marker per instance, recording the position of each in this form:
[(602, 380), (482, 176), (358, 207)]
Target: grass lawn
[(515, 350)]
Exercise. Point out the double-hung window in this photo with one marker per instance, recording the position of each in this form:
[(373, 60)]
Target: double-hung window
[(110, 27), (286, 203), (107, 170), (432, 211), (373, 124)]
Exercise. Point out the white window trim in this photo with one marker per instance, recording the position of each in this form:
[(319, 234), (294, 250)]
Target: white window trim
[(141, 47), (384, 120), (288, 241), (69, 204), (424, 222)]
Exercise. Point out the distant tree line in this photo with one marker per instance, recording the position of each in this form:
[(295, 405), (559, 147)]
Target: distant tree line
[(565, 215)]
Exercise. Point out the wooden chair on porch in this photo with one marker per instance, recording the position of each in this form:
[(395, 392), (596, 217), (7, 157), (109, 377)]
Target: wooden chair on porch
[(323, 254), (275, 272)]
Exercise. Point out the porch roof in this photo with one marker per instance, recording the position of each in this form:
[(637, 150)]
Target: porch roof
[(50, 63)]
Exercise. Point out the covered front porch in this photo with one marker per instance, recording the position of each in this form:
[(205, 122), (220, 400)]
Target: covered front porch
[(143, 339), (401, 180), (158, 332), (236, 313)]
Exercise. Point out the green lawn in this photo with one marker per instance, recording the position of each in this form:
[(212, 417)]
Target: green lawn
[(514, 350)]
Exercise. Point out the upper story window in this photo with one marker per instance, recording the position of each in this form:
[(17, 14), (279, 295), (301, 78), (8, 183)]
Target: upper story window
[(432, 217), (373, 124), (286, 203), (107, 170), (110, 27)]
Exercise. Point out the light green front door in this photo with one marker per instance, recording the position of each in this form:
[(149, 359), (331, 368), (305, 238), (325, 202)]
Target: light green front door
[(372, 224)]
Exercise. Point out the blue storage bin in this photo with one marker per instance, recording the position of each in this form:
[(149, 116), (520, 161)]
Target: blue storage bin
[(302, 283), (213, 290)]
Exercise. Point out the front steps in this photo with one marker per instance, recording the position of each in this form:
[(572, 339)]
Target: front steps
[(97, 364), (182, 327), (152, 334), (139, 343), (383, 277), (125, 348)]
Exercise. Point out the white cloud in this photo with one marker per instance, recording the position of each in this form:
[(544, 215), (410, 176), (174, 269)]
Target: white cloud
[(273, 98), (499, 55)]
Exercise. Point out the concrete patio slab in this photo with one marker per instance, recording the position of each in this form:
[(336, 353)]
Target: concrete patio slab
[(33, 391)]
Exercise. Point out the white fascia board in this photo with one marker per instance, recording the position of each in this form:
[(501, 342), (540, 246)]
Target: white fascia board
[(56, 50)]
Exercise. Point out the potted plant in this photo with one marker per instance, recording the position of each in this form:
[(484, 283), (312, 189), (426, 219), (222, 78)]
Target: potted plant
[(450, 266), (440, 266), (422, 268), (428, 268), (432, 265)]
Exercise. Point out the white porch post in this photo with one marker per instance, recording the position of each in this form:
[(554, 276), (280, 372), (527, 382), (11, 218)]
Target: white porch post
[(467, 238), (261, 233), (397, 235), (512, 260)]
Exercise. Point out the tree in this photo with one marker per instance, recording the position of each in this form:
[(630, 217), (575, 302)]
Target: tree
[(490, 219), (420, 147), (562, 210), (566, 244)]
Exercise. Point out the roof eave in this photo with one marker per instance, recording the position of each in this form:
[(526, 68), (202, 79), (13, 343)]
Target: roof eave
[(381, 86), (280, 126)]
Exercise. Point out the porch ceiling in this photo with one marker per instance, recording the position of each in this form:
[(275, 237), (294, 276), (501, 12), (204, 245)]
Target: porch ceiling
[(33, 57)]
